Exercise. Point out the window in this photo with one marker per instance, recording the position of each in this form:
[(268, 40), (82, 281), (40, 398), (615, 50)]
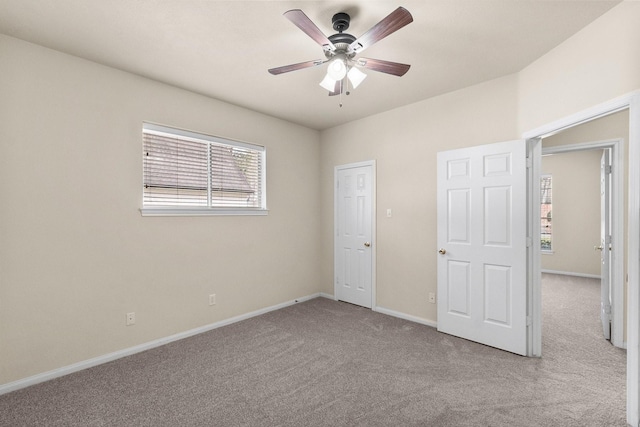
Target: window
[(545, 213), (186, 173)]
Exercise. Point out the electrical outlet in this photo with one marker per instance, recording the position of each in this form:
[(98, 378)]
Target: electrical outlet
[(432, 297), (212, 299), (131, 319)]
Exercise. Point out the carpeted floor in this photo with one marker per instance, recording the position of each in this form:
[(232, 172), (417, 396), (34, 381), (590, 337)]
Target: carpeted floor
[(326, 363)]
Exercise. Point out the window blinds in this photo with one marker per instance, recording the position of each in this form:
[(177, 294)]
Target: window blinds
[(546, 226), (184, 169)]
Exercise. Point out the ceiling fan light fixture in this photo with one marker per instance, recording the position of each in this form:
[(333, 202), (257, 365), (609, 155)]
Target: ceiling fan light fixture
[(341, 48), (337, 68), (328, 83), (356, 77)]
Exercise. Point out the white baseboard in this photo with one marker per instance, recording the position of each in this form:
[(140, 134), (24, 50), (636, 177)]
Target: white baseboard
[(393, 313), (569, 273), (408, 317), (65, 370)]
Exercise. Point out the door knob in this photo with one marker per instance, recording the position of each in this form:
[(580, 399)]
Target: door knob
[(367, 244), (442, 251)]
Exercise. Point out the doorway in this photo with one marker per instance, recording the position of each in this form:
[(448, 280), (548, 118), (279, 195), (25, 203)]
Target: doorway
[(354, 233), (591, 220)]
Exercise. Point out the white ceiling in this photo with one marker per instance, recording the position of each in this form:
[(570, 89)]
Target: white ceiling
[(223, 49)]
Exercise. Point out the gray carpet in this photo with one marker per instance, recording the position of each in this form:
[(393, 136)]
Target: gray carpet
[(326, 363)]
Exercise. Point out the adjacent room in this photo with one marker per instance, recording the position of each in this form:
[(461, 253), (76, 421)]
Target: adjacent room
[(204, 222)]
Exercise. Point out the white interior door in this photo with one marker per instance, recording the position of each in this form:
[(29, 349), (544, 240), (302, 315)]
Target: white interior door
[(353, 234), (482, 241), (605, 244)]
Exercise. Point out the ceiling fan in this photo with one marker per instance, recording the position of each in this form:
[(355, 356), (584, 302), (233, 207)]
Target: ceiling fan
[(340, 49)]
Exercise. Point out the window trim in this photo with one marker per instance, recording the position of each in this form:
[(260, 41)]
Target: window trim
[(175, 211), (209, 210)]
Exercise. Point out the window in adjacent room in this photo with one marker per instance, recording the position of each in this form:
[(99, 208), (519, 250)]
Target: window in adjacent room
[(545, 213), (187, 173)]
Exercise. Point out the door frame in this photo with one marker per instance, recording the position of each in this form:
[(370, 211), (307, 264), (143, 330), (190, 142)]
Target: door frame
[(617, 225), (372, 164), (630, 102)]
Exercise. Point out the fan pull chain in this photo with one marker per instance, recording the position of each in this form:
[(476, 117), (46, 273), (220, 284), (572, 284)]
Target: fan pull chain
[(347, 80)]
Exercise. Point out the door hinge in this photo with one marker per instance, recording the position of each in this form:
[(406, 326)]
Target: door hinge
[(529, 321), (529, 242), (608, 169), (529, 163)]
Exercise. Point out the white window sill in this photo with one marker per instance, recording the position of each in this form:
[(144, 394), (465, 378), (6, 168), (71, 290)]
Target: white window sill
[(543, 252), (201, 211)]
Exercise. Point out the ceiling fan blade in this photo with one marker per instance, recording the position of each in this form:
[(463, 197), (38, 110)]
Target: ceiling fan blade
[(392, 23), (303, 22), (298, 66), (388, 67)]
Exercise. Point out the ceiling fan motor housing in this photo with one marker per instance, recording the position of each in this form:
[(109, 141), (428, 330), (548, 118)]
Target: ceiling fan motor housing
[(341, 40), (341, 21)]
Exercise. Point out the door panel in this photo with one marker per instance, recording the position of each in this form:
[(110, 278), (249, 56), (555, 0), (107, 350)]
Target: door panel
[(458, 288), (482, 223), (458, 225), (605, 244), (497, 216), (353, 261), (497, 285)]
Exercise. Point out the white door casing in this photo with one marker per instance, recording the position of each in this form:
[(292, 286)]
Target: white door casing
[(605, 244), (353, 248), (482, 244), (630, 102)]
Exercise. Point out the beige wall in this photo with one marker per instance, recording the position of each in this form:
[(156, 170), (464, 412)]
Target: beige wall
[(575, 213), (404, 143), (75, 253), (598, 64)]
